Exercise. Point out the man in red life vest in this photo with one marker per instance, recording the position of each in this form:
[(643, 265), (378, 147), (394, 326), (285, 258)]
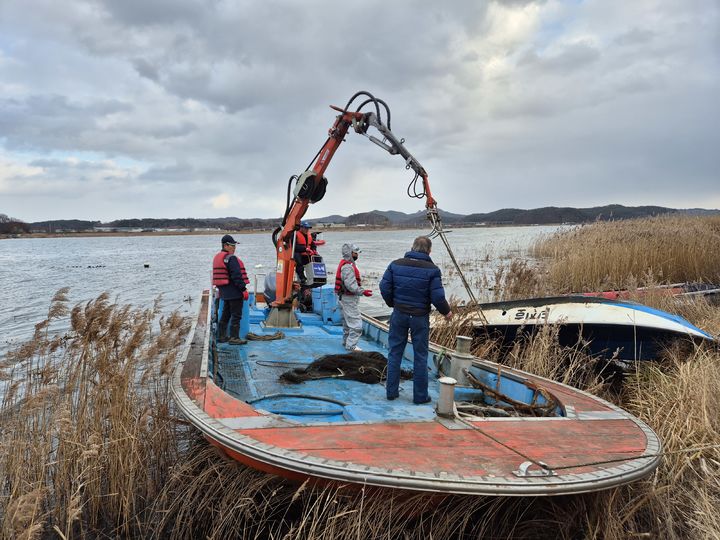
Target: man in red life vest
[(304, 248), (230, 278), (348, 287)]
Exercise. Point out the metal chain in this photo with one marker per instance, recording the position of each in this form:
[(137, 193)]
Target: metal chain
[(437, 230)]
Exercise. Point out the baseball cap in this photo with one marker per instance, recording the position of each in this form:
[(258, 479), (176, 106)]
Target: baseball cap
[(305, 224), (227, 239), (355, 248)]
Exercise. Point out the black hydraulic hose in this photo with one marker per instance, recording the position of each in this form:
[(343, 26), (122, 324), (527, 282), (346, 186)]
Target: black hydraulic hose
[(381, 102), (274, 236), (368, 94), (387, 111), (287, 197), (360, 93), (316, 155), (412, 190)]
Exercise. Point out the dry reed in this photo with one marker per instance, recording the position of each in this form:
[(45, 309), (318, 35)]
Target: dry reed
[(87, 428), (627, 254)]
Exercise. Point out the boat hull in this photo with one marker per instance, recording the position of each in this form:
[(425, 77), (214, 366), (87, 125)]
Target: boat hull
[(610, 328), (396, 444)]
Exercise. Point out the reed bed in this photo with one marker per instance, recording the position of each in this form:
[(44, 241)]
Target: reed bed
[(90, 446), (627, 254), (88, 432)]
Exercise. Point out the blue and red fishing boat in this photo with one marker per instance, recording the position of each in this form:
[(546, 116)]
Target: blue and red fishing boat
[(293, 402), (332, 429)]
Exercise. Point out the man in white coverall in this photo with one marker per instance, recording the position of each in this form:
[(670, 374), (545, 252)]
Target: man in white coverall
[(348, 287)]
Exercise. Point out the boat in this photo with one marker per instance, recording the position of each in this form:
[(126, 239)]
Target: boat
[(708, 291), (293, 402), (613, 329), (470, 439)]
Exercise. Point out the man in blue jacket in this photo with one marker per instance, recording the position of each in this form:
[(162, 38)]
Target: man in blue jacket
[(409, 286)]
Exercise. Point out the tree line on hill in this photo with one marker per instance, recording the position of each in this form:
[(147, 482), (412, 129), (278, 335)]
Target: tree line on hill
[(377, 218), (10, 225)]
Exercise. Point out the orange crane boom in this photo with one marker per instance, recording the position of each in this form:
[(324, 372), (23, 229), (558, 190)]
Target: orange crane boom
[(311, 184)]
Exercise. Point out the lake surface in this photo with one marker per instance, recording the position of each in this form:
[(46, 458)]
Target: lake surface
[(32, 270)]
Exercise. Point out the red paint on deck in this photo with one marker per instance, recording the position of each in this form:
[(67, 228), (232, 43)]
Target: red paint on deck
[(218, 404), (431, 447)]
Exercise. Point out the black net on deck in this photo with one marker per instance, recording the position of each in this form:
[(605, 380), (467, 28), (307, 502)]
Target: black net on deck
[(367, 367)]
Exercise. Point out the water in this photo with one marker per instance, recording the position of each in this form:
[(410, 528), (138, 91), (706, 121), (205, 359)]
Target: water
[(32, 270)]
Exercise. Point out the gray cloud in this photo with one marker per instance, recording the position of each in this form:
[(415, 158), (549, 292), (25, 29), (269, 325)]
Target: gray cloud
[(570, 58), (178, 107)]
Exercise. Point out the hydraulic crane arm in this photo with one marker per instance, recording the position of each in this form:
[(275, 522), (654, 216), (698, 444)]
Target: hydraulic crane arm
[(310, 186), (393, 145)]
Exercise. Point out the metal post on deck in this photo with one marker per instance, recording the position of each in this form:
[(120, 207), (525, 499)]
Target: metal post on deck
[(461, 360), (447, 397)]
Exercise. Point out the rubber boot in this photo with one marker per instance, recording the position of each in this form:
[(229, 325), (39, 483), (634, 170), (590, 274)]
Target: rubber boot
[(235, 335), (222, 335)]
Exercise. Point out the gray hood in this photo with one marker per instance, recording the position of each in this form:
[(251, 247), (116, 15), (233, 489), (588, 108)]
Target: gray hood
[(347, 250)]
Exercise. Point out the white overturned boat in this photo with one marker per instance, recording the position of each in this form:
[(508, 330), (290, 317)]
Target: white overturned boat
[(614, 328)]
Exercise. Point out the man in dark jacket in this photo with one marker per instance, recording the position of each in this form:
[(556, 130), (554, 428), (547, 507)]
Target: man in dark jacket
[(409, 286), (230, 278)]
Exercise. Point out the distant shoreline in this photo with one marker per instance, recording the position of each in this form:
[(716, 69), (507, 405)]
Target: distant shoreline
[(103, 234)]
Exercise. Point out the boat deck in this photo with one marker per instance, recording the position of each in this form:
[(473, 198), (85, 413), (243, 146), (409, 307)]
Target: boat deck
[(346, 431), (251, 373)]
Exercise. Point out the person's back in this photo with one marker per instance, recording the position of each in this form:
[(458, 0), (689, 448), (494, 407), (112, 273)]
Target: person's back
[(410, 286)]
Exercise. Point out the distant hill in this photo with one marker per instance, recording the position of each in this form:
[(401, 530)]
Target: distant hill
[(77, 225), (551, 214), (335, 218), (395, 218), (699, 212), (420, 217), (369, 218), (12, 226), (547, 215)]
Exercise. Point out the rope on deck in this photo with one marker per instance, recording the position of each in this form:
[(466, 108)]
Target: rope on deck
[(534, 408), (659, 454), (265, 337)]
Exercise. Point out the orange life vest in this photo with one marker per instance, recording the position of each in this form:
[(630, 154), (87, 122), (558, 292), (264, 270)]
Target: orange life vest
[(302, 241), (339, 287), (220, 274)]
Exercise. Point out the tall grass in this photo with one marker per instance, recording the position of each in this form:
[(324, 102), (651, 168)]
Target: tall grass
[(87, 428), (627, 254)]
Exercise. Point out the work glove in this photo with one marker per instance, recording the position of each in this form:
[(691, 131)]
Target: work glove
[(367, 292), (246, 294)]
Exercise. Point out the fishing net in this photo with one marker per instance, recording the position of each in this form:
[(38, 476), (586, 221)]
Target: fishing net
[(367, 367)]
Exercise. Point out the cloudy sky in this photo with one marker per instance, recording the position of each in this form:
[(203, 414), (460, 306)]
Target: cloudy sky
[(204, 108)]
